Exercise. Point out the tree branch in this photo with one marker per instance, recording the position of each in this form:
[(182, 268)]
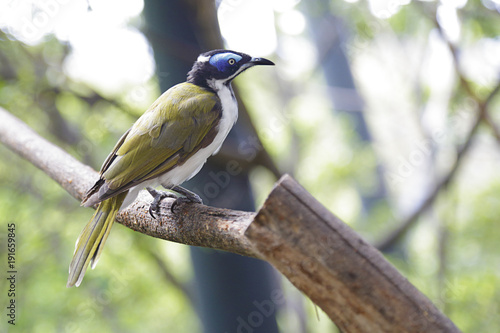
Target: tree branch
[(443, 183), (482, 116), (345, 276), (199, 225), (341, 273)]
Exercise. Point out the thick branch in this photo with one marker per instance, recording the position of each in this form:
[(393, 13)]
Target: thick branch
[(341, 273), (345, 276), (199, 225)]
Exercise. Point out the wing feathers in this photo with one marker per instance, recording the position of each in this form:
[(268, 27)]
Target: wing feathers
[(181, 122)]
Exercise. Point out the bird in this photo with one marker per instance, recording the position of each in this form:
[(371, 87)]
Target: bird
[(166, 146)]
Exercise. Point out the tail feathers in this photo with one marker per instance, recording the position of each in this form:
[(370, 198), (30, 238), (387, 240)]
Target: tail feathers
[(92, 197), (91, 241)]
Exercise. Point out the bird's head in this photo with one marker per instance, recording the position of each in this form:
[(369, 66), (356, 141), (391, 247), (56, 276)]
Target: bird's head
[(215, 68)]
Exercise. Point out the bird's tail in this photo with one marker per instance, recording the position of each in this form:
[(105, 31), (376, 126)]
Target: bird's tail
[(91, 241)]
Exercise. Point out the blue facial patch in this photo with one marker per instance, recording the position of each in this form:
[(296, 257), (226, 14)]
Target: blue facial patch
[(222, 60)]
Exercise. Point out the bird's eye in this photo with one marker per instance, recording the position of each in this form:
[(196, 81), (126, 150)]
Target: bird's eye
[(231, 61)]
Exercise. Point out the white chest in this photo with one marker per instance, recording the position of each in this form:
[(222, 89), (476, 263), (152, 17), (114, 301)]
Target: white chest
[(191, 167), (229, 115)]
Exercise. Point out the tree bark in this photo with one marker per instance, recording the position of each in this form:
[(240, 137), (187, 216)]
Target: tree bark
[(345, 276), (340, 272)]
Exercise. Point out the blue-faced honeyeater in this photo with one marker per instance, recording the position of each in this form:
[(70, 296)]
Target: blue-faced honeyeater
[(166, 146)]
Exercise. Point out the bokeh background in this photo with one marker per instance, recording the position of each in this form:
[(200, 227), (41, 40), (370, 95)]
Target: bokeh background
[(385, 110)]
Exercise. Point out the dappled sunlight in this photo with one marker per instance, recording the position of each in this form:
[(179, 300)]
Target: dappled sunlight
[(385, 111)]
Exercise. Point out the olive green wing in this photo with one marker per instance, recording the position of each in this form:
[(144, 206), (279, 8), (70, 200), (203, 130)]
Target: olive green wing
[(181, 121)]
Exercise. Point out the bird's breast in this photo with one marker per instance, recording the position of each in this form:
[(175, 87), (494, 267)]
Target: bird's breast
[(229, 115), (193, 165)]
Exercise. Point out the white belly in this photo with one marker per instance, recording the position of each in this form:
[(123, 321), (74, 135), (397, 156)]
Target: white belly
[(193, 165)]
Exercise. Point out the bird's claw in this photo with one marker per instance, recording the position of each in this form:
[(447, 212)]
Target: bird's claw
[(158, 196), (188, 197), (154, 207), (184, 200)]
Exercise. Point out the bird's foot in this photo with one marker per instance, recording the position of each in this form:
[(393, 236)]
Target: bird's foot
[(158, 196), (188, 197)]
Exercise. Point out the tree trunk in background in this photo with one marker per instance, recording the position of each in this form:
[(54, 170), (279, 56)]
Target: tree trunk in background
[(232, 289), (329, 35)]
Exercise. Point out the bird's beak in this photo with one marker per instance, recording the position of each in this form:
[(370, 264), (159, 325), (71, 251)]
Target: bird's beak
[(252, 62), (260, 61)]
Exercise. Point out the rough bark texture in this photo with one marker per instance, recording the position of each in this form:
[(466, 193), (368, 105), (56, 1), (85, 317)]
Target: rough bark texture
[(345, 276), (192, 224)]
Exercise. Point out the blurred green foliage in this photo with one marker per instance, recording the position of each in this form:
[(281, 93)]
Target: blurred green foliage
[(451, 255), (123, 297)]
